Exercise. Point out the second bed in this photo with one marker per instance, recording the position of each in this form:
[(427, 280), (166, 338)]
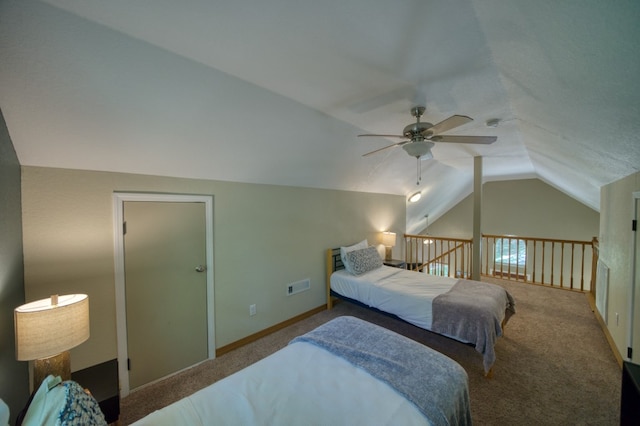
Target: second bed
[(472, 312)]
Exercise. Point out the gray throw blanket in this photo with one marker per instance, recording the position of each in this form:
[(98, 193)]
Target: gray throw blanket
[(437, 385), (472, 312)]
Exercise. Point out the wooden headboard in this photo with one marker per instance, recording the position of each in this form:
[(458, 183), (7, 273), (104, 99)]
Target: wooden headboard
[(333, 263)]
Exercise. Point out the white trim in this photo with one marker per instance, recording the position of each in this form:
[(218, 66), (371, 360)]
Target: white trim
[(119, 198), (632, 289)]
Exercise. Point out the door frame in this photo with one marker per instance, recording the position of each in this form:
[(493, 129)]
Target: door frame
[(633, 284), (119, 198)]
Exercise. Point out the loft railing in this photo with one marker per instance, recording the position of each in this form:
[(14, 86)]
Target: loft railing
[(438, 255), (567, 264)]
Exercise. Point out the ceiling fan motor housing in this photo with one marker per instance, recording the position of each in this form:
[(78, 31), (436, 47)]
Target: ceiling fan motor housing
[(418, 129)]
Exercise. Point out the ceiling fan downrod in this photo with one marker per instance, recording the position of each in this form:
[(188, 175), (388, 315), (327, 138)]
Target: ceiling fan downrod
[(417, 112)]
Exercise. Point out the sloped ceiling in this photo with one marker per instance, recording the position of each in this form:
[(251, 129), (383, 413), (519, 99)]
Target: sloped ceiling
[(276, 91)]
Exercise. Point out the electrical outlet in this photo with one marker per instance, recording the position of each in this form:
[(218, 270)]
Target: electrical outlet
[(252, 310), (617, 319)]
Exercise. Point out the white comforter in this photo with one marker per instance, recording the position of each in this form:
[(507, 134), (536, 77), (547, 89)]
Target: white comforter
[(406, 294), (300, 384)]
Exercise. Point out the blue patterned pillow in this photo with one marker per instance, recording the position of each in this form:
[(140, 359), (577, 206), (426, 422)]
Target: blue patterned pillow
[(65, 403), (81, 408), (363, 260)]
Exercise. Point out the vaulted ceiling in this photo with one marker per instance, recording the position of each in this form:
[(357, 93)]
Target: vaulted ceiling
[(276, 91)]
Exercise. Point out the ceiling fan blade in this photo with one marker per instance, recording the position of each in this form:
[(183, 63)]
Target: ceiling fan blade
[(386, 147), (448, 124), (382, 136), (464, 139)]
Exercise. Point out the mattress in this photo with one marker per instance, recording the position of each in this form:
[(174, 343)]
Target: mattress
[(262, 394), (346, 371), (406, 294)]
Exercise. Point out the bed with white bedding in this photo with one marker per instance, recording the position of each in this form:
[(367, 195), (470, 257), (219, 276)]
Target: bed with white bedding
[(347, 371), (472, 312)]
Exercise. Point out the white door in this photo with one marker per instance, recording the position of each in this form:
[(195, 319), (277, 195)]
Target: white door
[(165, 288)]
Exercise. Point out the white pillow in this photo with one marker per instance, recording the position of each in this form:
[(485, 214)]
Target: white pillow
[(344, 250)]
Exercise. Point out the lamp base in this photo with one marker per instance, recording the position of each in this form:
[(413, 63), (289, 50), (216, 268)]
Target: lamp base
[(387, 253), (57, 365)]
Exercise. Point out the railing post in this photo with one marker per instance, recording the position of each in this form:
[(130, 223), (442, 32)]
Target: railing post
[(595, 254)]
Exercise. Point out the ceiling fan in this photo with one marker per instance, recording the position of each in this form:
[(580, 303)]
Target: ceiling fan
[(422, 135)]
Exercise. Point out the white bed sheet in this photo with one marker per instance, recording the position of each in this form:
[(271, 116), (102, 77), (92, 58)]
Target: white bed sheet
[(406, 294), (300, 384)]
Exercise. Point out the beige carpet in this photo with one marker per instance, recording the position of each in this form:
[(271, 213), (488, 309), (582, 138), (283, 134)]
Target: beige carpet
[(554, 365)]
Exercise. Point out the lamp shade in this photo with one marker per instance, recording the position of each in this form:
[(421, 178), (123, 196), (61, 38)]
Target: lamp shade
[(388, 239), (47, 327)]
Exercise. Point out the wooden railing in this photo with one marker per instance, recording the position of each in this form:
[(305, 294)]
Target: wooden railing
[(567, 264), (438, 256)]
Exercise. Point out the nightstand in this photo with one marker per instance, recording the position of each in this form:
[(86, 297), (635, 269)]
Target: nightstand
[(102, 381), (630, 394), (396, 263)]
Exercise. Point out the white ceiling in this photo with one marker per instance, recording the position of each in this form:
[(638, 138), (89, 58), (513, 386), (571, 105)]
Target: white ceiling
[(276, 91)]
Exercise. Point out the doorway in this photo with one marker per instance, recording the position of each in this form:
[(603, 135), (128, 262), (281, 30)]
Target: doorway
[(164, 263), (634, 299)]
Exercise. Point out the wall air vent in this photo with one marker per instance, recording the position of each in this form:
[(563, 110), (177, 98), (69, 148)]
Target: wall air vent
[(298, 286)]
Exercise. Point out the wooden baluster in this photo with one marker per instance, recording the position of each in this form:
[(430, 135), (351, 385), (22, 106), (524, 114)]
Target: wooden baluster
[(544, 247), (584, 246), (553, 260), (534, 260), (441, 261), (595, 253), (518, 259), (455, 259), (561, 264), (486, 255), (572, 253)]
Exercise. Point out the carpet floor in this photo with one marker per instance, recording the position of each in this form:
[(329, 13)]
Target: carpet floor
[(554, 365)]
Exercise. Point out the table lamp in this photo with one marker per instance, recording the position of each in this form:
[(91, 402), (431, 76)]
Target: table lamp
[(46, 329), (388, 241)]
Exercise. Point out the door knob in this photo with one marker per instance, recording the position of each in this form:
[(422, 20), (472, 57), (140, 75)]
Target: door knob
[(201, 268)]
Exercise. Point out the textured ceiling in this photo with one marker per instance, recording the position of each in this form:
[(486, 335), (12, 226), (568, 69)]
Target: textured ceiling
[(276, 91)]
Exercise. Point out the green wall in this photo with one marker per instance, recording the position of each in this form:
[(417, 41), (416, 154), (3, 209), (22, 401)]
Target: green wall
[(265, 237), (527, 207), (14, 378), (616, 239)]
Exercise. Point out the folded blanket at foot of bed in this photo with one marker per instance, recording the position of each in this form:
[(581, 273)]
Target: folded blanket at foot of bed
[(473, 312), (436, 384)]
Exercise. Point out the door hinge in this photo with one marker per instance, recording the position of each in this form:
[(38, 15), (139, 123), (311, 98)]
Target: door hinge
[(124, 228), (128, 364), (634, 224), (629, 353)]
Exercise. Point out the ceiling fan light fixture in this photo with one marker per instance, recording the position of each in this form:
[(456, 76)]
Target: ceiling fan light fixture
[(418, 148), (415, 197)]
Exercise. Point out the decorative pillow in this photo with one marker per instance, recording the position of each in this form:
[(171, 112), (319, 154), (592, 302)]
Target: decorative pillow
[(363, 260), (58, 402), (344, 250)]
